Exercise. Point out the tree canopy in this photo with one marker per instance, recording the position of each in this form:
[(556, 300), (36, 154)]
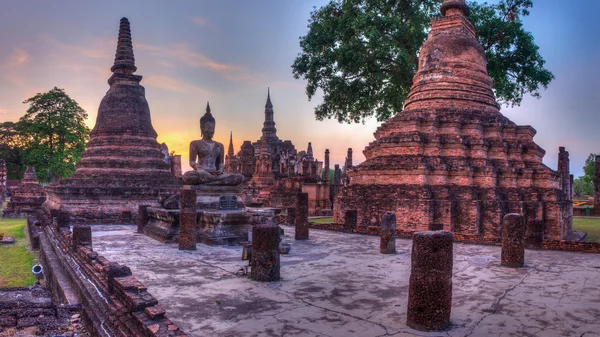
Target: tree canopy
[(584, 185), (363, 54), (53, 134)]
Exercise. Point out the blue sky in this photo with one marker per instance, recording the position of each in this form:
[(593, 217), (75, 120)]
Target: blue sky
[(229, 52)]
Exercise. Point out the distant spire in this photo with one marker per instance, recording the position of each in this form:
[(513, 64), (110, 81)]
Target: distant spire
[(207, 107), (230, 149), (309, 151), (453, 6), (269, 105), (124, 60)]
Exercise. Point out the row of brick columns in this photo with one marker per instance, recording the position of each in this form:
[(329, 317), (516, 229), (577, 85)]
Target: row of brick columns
[(430, 283)]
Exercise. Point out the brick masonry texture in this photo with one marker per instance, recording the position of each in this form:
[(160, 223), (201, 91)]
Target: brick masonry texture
[(122, 166), (27, 197), (113, 301), (513, 241), (450, 157)]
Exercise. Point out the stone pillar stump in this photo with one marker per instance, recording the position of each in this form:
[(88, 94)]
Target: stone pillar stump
[(302, 217), (187, 220), (430, 285), (265, 261), (82, 236), (513, 241), (142, 218), (387, 234)]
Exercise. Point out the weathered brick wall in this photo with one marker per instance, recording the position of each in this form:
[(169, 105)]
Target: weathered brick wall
[(570, 246), (114, 303), (473, 211)]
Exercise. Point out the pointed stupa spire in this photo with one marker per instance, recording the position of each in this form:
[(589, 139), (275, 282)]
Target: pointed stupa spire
[(207, 108), (452, 7), (230, 149), (124, 60), (269, 105)]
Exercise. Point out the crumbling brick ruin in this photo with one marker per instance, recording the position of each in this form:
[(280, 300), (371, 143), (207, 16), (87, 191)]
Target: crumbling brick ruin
[(450, 157), (27, 197), (122, 166), (113, 302)]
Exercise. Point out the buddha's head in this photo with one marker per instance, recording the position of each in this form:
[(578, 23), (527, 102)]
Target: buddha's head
[(207, 124)]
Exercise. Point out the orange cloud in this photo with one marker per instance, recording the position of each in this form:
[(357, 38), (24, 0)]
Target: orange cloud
[(174, 84), (11, 68)]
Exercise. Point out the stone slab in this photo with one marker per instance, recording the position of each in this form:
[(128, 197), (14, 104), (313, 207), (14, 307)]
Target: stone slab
[(338, 284)]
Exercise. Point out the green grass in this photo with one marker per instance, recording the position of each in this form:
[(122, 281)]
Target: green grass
[(591, 226), (321, 220), (16, 260)]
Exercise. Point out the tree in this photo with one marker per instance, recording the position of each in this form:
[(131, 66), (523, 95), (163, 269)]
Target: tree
[(54, 134), (584, 185), (11, 150), (363, 54)]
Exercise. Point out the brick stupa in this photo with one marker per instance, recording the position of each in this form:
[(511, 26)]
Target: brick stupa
[(27, 197), (122, 166), (450, 157)]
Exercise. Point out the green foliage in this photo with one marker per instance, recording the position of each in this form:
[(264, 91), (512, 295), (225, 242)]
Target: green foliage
[(581, 187), (54, 134), (11, 150), (363, 54), (589, 168)]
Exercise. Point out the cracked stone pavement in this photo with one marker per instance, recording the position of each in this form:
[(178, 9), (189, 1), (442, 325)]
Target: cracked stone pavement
[(338, 284)]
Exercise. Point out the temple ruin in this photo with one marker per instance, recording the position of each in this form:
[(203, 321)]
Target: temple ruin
[(26, 198), (122, 166), (450, 157)]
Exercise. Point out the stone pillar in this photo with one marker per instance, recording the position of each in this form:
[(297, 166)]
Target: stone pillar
[(187, 220), (291, 216), (82, 236), (564, 171), (176, 165), (326, 170), (387, 234), (435, 227), (430, 284), (350, 220), (513, 240), (63, 220), (348, 162), (337, 176), (571, 185), (302, 217), (265, 261), (142, 218)]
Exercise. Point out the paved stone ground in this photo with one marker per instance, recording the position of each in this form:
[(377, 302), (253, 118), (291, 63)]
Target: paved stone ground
[(338, 284)]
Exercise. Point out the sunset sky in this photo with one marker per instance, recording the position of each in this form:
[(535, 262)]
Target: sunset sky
[(228, 52)]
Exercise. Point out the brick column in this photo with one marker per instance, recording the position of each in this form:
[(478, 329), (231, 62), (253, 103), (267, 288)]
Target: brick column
[(142, 218), (302, 217), (387, 234), (430, 285), (82, 236), (265, 261), (513, 240), (187, 220)]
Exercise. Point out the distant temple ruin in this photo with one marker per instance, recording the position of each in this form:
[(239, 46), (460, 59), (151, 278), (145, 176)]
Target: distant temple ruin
[(269, 163), (450, 157)]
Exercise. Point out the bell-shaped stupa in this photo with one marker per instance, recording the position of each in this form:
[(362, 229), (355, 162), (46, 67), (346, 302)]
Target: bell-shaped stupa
[(450, 157), (122, 166)]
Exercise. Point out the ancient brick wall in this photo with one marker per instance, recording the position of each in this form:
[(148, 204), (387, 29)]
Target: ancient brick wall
[(114, 302), (318, 198)]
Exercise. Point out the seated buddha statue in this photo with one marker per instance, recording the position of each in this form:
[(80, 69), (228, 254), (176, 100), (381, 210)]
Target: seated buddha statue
[(207, 158)]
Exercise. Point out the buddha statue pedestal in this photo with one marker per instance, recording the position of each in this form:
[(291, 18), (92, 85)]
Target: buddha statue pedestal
[(221, 217)]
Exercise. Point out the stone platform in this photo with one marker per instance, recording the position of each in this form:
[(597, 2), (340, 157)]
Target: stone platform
[(338, 284)]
